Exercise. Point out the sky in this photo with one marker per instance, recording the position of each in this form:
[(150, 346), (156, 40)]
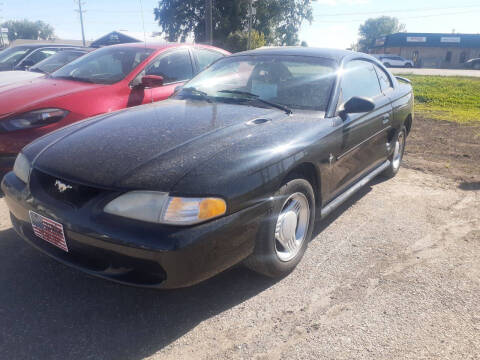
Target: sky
[(335, 22)]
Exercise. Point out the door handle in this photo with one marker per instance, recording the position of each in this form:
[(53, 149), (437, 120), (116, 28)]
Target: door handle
[(386, 119)]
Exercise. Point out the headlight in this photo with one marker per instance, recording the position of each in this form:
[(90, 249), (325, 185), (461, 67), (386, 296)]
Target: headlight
[(157, 207), (33, 119), (22, 168)]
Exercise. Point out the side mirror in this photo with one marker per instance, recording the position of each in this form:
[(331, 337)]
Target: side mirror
[(358, 104), (152, 81), (178, 88)]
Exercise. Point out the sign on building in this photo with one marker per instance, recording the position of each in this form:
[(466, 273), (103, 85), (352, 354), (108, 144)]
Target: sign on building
[(450, 39), (417, 39)]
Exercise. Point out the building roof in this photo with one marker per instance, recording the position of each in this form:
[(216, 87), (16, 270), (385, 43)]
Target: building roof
[(429, 40), (123, 36)]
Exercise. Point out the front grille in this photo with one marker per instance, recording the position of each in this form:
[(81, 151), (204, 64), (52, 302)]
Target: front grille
[(62, 190)]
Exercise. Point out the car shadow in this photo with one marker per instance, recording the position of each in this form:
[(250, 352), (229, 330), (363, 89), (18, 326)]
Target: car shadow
[(49, 311), (321, 225), (469, 186)]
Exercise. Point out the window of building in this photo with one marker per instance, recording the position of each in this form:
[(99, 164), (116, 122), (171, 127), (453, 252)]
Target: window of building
[(448, 57)]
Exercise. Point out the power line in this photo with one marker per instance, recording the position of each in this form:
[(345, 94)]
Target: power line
[(404, 18), (397, 11)]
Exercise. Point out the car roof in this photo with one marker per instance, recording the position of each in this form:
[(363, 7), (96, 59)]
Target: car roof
[(162, 45), (334, 54), (37, 46)]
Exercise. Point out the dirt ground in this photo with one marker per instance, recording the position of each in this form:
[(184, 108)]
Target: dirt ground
[(392, 274), (445, 148)]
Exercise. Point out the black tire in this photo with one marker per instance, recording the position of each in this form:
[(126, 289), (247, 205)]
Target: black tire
[(408, 65), (476, 66), (265, 259), (387, 65), (395, 163)]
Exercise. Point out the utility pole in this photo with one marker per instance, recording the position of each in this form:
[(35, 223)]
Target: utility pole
[(208, 22), (80, 11), (251, 12)]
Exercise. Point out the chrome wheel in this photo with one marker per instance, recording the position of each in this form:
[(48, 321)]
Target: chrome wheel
[(398, 152), (292, 226)]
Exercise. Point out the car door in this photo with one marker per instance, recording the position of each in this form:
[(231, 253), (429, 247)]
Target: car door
[(364, 138), (175, 66)]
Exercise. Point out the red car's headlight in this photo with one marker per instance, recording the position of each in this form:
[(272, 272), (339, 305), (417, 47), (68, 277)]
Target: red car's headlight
[(33, 119)]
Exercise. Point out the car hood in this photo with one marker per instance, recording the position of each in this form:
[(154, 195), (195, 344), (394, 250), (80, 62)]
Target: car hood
[(20, 97), (147, 147), (10, 77), (4, 67)]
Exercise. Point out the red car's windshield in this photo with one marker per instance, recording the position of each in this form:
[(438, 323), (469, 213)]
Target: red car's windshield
[(104, 66)]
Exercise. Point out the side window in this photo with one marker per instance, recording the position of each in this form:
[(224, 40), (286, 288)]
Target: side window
[(174, 67), (206, 57), (385, 82), (40, 55), (360, 79)]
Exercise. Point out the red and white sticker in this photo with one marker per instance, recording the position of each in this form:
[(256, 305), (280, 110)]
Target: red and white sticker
[(48, 230)]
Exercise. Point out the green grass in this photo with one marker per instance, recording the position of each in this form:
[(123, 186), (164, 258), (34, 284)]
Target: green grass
[(450, 98)]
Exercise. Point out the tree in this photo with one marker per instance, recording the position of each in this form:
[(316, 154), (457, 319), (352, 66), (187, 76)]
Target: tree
[(278, 21), (375, 28), (25, 29), (238, 41)]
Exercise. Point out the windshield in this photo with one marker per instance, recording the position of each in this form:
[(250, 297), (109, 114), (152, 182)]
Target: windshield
[(56, 61), (107, 65), (12, 56), (294, 82)]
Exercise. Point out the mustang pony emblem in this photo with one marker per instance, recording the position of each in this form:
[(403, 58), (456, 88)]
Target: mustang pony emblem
[(61, 187)]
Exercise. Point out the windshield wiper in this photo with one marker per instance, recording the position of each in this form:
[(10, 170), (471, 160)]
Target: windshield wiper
[(38, 70), (74, 78), (257, 97), (194, 91)]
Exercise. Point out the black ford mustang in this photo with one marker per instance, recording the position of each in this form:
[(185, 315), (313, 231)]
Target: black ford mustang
[(234, 167)]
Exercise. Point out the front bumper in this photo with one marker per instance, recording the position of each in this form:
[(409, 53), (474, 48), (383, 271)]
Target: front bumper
[(132, 252)]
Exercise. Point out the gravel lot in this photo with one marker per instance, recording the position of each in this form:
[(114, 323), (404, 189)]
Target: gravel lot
[(393, 274), (440, 72)]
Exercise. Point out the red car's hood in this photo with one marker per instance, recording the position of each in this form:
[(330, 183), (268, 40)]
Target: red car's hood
[(38, 93)]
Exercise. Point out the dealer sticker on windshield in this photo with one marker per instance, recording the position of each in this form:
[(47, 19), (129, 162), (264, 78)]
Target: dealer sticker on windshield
[(48, 230)]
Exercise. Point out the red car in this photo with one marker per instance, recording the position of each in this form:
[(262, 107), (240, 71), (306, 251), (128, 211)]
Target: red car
[(108, 79)]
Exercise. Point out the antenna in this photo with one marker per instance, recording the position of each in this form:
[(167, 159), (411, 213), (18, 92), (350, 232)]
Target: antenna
[(143, 24)]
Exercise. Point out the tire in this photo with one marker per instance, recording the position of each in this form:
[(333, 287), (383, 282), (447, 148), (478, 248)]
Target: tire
[(476, 66), (387, 65), (270, 257), (397, 155), (408, 65)]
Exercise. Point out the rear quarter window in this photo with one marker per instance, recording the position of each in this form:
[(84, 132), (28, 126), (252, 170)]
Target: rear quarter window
[(206, 57)]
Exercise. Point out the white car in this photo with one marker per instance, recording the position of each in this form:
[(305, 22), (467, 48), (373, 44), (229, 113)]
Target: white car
[(41, 69), (394, 61)]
